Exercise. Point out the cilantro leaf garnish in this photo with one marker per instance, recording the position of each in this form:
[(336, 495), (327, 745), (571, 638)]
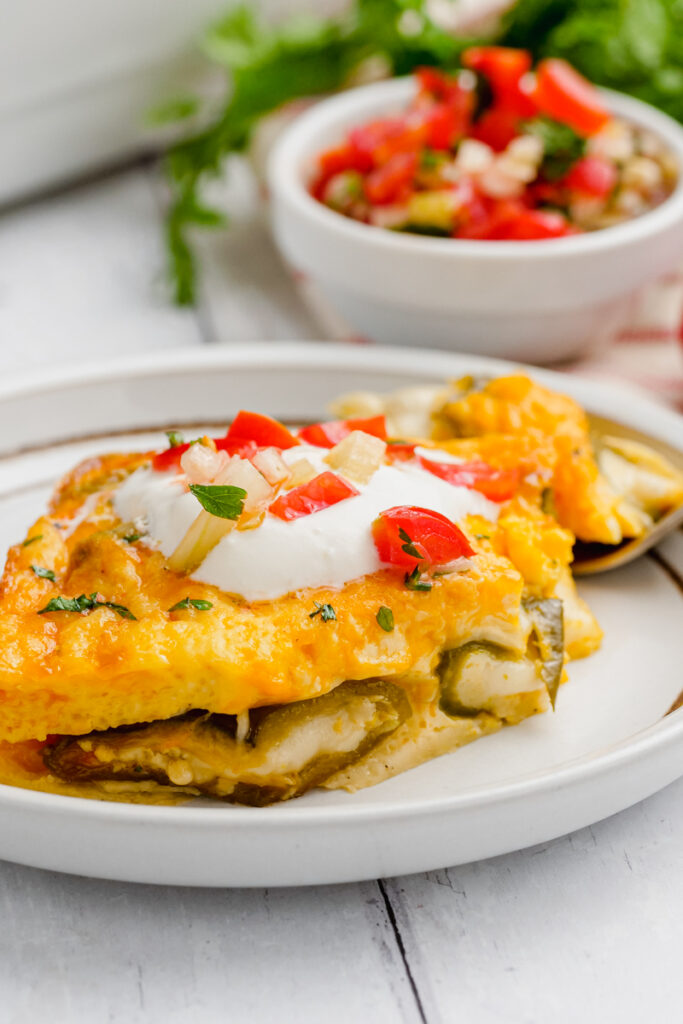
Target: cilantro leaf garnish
[(84, 603), (31, 540), (325, 611), (191, 602), (408, 546), (562, 147), (45, 574), (175, 438), (222, 500), (130, 538), (385, 618), (413, 582)]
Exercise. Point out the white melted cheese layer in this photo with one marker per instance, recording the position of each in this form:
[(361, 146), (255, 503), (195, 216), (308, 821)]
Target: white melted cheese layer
[(325, 549)]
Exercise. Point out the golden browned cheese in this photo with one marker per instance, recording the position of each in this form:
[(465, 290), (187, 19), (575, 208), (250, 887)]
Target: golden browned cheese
[(558, 429), (65, 672)]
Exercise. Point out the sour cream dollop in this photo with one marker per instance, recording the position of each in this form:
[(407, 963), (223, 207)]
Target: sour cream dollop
[(325, 549)]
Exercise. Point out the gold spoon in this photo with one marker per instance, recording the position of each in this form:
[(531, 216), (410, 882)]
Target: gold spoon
[(593, 558)]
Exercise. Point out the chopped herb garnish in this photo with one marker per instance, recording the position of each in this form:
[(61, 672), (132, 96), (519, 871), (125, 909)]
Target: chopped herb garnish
[(175, 438), (191, 602), (408, 546), (562, 147), (31, 540), (45, 574), (548, 502), (325, 611), (482, 536), (84, 603), (222, 500), (413, 582), (385, 618), (130, 538)]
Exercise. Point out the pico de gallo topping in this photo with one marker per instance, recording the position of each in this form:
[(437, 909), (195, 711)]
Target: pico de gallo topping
[(261, 473), (497, 151)]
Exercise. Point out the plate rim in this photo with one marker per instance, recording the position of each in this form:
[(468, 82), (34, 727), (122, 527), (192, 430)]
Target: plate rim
[(651, 740)]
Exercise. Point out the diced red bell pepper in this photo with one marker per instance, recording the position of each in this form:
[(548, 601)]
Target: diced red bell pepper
[(391, 181), (563, 93), (435, 538), (323, 491), (495, 484), (263, 430), (327, 435), (592, 175), (504, 68)]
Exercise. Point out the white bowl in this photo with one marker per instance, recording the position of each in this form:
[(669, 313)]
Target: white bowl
[(539, 300)]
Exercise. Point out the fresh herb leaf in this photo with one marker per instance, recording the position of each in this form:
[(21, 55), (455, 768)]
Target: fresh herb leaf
[(222, 500), (385, 618), (267, 67), (482, 536), (31, 540), (175, 438), (130, 538), (45, 574), (191, 602), (84, 603), (408, 545), (177, 109), (562, 147), (325, 611), (413, 582)]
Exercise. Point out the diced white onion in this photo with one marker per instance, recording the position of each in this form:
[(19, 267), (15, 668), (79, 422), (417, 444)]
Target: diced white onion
[(358, 456), (201, 463), (270, 463)]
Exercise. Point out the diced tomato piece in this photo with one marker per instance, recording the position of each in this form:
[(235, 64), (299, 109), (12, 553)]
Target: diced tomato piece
[(497, 128), (504, 68), (341, 158), (592, 175), (387, 183), (563, 93), (438, 83), (327, 435), (496, 484), (533, 224), (435, 538), (245, 449), (400, 452), (169, 458), (264, 430), (375, 143), (446, 123), (323, 491)]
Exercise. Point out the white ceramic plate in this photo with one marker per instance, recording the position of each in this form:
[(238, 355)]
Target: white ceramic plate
[(607, 746)]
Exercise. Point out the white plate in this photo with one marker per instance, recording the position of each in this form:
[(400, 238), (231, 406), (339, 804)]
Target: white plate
[(607, 746)]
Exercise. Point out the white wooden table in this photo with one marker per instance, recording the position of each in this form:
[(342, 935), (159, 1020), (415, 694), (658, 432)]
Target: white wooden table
[(587, 928)]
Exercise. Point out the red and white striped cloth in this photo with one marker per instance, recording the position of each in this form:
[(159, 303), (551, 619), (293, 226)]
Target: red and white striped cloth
[(646, 353)]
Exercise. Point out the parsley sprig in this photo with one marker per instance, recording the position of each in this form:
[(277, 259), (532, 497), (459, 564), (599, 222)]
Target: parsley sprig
[(325, 611), (192, 602), (413, 581), (31, 540), (385, 619), (45, 574), (83, 604), (408, 545)]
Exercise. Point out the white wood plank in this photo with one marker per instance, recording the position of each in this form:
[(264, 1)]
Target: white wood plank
[(587, 927), (96, 951), (246, 291), (81, 276)]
